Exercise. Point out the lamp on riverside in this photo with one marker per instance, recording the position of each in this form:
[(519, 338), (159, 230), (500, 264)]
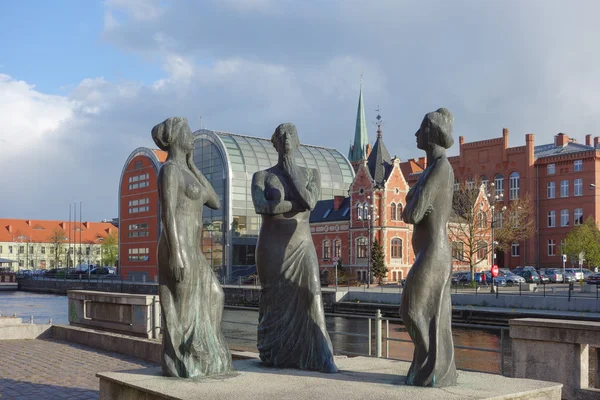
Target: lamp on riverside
[(493, 199)]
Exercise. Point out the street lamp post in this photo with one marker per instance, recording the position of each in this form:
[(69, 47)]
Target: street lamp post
[(495, 198)]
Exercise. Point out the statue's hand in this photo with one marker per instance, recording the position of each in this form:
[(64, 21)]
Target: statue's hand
[(177, 268)]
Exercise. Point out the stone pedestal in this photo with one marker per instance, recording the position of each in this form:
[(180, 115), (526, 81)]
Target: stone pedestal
[(359, 378), (555, 350)]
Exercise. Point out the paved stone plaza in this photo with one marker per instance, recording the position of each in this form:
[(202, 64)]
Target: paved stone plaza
[(49, 369)]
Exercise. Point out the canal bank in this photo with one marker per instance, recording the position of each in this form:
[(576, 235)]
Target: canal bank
[(471, 307)]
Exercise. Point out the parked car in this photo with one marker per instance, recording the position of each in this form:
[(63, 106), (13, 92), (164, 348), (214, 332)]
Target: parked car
[(555, 275), (512, 279), (102, 271), (498, 281), (457, 277), (569, 277), (543, 278), (530, 276), (577, 272), (593, 279)]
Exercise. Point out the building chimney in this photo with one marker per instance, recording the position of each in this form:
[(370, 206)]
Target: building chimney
[(562, 139), (596, 141), (588, 140), (28, 222), (505, 144), (530, 147), (423, 162), (337, 202), (9, 228), (63, 225), (86, 225)]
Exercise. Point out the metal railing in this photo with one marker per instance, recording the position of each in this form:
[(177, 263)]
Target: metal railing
[(567, 290), (377, 341)]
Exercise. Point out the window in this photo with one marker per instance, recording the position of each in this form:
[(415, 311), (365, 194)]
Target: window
[(514, 249), (327, 213), (498, 219), (326, 249), (564, 188), (551, 247), (359, 211), (578, 187), (366, 211), (138, 230), (456, 185), (138, 254), (458, 251), (399, 212), (139, 181), (482, 250), (393, 210), (482, 219), (470, 183), (43, 250), (0, 249), (20, 263), (578, 216), (138, 165), (564, 217), (361, 247), (551, 190), (499, 183), (551, 169), (485, 181), (514, 185), (21, 249), (337, 248), (396, 248), (578, 165), (551, 219), (10, 249)]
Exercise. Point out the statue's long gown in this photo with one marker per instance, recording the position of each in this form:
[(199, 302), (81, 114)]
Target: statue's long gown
[(193, 344), (291, 330), (426, 305)]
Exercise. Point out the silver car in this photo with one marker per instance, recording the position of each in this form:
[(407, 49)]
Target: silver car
[(555, 275), (512, 279)]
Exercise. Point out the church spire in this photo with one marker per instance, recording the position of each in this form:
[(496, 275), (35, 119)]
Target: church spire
[(358, 150)]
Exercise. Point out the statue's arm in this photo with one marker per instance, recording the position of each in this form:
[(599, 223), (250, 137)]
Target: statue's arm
[(261, 204), (169, 182), (211, 199), (308, 187), (421, 200)]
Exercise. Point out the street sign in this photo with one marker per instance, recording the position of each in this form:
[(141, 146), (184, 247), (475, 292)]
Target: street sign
[(564, 258), (494, 271)]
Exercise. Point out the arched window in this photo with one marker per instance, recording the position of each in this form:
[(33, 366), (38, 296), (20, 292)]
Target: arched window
[(499, 183), (326, 249), (485, 182), (470, 183), (482, 220), (359, 211), (514, 185), (482, 250), (361, 247), (366, 211), (399, 212), (393, 210), (456, 185), (337, 248), (396, 248)]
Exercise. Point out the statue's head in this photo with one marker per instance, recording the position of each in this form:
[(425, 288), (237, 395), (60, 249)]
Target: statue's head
[(285, 139), (436, 129), (172, 132)]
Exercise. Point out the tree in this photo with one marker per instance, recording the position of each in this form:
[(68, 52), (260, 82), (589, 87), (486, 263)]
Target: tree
[(584, 238), (516, 224), (56, 239), (469, 227), (378, 267), (110, 249)]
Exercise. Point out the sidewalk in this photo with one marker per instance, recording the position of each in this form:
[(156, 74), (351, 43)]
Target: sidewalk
[(49, 369)]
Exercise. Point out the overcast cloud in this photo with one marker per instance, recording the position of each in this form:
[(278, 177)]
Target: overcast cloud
[(248, 65)]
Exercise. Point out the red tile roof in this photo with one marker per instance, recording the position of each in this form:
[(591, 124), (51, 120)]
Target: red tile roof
[(40, 230), (162, 155)]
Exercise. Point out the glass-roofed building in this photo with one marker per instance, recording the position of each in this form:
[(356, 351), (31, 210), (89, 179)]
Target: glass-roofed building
[(229, 237)]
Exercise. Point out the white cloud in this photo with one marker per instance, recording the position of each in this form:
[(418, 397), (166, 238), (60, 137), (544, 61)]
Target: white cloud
[(144, 10)]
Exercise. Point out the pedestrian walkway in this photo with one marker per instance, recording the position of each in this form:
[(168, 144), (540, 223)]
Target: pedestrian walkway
[(50, 369)]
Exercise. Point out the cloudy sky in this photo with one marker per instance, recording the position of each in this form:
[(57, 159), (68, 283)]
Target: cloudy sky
[(83, 82)]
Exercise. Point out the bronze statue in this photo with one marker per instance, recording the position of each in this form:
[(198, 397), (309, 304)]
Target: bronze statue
[(291, 330), (426, 306), (191, 297)]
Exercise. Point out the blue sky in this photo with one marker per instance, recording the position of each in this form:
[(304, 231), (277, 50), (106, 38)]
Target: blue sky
[(83, 82)]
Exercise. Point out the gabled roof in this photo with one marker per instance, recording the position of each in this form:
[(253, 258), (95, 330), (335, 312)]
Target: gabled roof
[(38, 231), (379, 162), (324, 212), (549, 150)]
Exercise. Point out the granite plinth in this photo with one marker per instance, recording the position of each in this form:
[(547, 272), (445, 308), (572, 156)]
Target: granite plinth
[(359, 378)]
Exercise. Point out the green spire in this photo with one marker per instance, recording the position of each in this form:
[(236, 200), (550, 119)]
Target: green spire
[(358, 151)]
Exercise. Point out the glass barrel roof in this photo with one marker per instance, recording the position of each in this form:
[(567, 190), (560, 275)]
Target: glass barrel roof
[(248, 155)]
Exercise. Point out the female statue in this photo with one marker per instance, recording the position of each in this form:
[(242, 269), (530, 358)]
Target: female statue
[(291, 330), (191, 297), (426, 307)]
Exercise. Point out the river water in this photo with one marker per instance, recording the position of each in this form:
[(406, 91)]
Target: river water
[(239, 327)]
